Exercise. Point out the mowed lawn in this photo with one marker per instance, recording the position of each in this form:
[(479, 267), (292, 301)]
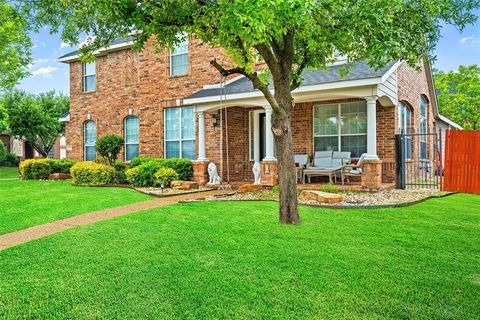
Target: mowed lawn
[(233, 260), (28, 203), (8, 172)]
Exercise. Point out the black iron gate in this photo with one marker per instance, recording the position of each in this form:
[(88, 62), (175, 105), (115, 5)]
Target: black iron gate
[(419, 160)]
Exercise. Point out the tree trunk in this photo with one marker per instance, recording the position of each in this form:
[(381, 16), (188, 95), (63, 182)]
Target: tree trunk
[(287, 177)]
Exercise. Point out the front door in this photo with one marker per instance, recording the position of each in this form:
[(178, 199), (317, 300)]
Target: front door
[(257, 135)]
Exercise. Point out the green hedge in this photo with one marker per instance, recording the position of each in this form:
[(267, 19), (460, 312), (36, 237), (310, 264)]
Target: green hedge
[(183, 167), (7, 159), (61, 165), (166, 176), (144, 174), (92, 174), (35, 169)]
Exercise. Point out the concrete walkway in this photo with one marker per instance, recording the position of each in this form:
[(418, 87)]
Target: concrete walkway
[(11, 239)]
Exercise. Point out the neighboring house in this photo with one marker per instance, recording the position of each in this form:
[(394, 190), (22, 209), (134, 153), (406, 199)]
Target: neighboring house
[(172, 104), (24, 150), (443, 123)]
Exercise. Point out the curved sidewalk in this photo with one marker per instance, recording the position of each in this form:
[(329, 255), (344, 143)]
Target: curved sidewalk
[(17, 237)]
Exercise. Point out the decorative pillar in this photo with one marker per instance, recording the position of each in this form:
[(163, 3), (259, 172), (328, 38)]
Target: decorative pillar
[(372, 127), (269, 142), (202, 156), (372, 174)]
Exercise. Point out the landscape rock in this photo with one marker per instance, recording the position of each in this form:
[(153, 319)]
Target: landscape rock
[(320, 196), (59, 176), (183, 185), (249, 187)]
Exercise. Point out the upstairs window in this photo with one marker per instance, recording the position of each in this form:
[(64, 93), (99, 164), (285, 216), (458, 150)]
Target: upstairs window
[(423, 128), (179, 58), (131, 137), (90, 138), (405, 126), (180, 133), (89, 77)]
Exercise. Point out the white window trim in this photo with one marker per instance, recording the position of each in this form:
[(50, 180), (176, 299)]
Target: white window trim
[(402, 107), (85, 140), (125, 137), (339, 133), (85, 75), (180, 140), (174, 54), (255, 129), (423, 123)]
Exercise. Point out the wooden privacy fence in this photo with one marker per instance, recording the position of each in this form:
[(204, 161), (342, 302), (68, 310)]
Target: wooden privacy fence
[(462, 161)]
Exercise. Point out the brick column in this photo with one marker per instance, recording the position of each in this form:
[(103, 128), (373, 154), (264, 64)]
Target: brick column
[(269, 172), (371, 174), (200, 172)]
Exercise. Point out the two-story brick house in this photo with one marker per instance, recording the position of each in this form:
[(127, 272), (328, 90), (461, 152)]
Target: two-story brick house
[(173, 104)]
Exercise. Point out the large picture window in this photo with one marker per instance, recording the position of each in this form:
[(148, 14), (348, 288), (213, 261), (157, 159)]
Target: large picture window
[(90, 137), (341, 127), (131, 138), (179, 58), (405, 126), (423, 128), (180, 133), (89, 77)]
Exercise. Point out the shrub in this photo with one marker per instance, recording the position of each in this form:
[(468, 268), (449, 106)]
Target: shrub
[(166, 176), (11, 160), (141, 160), (108, 147), (329, 188), (61, 165), (3, 152), (183, 167), (276, 189), (120, 177), (35, 169), (92, 173), (144, 174)]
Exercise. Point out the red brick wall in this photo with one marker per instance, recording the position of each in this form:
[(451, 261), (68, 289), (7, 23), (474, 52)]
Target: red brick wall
[(139, 81)]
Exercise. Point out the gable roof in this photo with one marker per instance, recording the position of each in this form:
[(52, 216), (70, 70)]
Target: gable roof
[(358, 70), (115, 44)]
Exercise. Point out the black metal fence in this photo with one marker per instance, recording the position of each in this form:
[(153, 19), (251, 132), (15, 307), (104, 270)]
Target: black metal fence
[(419, 160)]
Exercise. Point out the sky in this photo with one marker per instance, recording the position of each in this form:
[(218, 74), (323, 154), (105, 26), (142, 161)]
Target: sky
[(453, 49)]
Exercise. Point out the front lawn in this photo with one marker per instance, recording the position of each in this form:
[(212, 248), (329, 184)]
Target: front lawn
[(28, 203), (233, 260), (8, 172)]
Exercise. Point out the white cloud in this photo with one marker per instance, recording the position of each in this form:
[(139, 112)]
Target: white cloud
[(470, 39), (44, 71), (40, 61), (64, 45)]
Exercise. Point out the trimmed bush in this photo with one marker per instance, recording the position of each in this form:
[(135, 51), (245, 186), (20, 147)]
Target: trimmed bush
[(92, 174), (144, 174), (108, 147), (166, 176), (35, 169), (11, 160), (183, 167), (61, 165), (120, 167), (141, 160)]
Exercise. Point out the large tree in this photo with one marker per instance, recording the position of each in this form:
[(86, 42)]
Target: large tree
[(35, 117), (458, 94), (15, 46), (288, 36)]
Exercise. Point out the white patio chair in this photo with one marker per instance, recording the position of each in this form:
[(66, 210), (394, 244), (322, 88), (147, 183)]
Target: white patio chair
[(353, 170), (302, 160)]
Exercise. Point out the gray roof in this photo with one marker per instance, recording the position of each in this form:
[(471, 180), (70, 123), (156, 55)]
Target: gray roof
[(358, 70), (114, 42)]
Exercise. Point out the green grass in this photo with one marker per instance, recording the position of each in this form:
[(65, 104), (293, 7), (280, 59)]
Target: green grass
[(8, 172), (233, 260), (28, 203)]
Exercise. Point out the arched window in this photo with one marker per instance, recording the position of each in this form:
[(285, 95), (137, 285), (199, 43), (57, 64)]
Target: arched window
[(405, 126), (90, 137), (423, 127), (131, 137)]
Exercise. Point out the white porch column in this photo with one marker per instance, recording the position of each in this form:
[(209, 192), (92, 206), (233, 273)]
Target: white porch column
[(202, 156), (269, 142), (372, 127)]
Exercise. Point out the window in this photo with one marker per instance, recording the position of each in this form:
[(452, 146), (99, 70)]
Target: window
[(90, 137), (51, 153), (131, 137), (180, 133), (341, 127), (405, 126), (89, 78), (179, 58), (423, 128)]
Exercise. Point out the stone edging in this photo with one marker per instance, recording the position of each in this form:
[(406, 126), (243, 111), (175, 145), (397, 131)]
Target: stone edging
[(380, 206)]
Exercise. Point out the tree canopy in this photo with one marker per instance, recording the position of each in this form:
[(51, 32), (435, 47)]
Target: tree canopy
[(35, 118), (458, 94), (286, 36), (15, 46)]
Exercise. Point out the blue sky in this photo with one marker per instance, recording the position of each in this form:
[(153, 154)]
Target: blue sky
[(453, 49)]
